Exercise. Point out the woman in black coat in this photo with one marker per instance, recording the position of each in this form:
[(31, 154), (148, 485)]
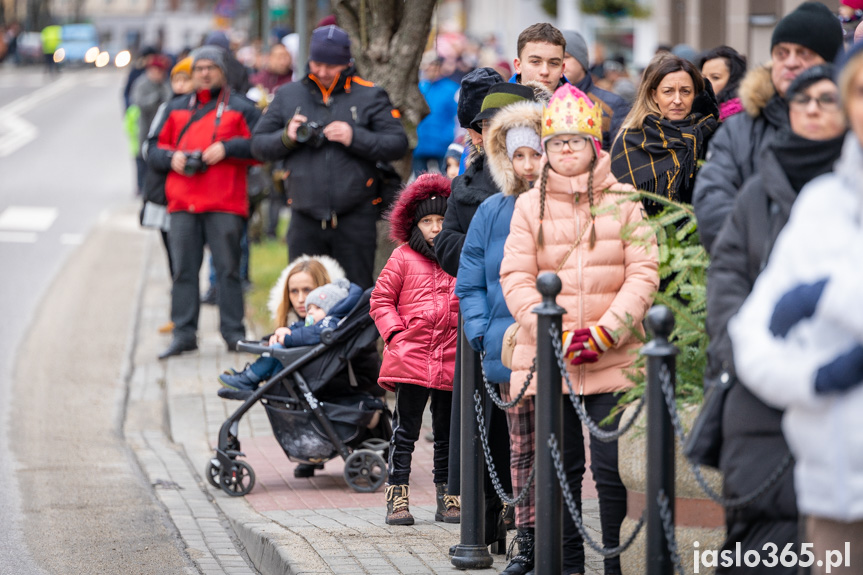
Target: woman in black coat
[(752, 442)]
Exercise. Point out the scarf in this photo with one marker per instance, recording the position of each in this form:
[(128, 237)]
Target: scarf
[(662, 157), (802, 159), (729, 108), (419, 244)]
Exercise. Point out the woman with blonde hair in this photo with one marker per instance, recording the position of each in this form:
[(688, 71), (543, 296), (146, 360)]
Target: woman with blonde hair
[(295, 282), (666, 132)]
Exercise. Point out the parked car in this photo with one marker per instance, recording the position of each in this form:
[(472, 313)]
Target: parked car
[(79, 45)]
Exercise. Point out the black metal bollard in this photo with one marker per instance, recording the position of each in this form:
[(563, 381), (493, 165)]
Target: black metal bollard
[(660, 438), (471, 552), (549, 419)]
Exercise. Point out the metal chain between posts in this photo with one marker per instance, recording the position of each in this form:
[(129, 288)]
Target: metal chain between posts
[(492, 471), (592, 426), (738, 502), (498, 401), (576, 515), (668, 528)]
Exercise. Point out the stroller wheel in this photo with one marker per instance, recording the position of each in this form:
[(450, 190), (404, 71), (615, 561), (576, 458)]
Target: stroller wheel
[(212, 473), (365, 470), (239, 480)]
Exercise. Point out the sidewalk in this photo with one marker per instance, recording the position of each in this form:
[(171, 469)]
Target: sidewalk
[(285, 525)]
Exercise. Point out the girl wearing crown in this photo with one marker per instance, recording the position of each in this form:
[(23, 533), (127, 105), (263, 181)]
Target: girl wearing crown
[(573, 224)]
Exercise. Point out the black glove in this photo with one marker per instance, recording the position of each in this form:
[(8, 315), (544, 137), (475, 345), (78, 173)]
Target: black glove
[(705, 103)]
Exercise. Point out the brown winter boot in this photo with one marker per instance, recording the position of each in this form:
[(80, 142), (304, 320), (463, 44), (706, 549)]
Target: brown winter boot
[(397, 505), (448, 506)]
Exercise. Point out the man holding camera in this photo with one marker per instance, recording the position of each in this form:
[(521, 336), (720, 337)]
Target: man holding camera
[(331, 128), (202, 142)]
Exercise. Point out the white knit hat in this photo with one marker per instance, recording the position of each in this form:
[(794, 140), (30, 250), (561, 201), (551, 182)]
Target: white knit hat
[(522, 136)]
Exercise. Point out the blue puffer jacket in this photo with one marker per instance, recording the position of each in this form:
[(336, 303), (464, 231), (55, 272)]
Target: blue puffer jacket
[(483, 308), (437, 130)]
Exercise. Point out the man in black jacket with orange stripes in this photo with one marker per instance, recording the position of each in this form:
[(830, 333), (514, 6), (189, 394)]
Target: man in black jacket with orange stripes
[(330, 128)]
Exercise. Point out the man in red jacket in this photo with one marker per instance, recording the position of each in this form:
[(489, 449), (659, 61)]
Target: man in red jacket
[(203, 144)]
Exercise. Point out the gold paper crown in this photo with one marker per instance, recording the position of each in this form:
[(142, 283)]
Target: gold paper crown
[(570, 111)]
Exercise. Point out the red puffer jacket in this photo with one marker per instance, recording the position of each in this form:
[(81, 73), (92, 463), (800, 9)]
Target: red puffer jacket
[(415, 297)]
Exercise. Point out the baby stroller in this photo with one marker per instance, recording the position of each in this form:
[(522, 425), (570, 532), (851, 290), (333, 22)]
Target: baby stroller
[(323, 403)]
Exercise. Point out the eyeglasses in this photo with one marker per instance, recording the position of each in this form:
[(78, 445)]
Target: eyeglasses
[(574, 144), (824, 101), (204, 68)]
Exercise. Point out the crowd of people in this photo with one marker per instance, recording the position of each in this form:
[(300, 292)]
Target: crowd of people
[(530, 171)]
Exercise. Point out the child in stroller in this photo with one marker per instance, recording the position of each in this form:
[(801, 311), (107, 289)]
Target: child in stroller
[(322, 400), (325, 306)]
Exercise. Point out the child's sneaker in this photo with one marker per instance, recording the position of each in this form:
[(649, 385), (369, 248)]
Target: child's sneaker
[(246, 380), (236, 394)]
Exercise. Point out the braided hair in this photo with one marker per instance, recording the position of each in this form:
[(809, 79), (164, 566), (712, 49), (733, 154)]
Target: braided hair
[(540, 241), (590, 200)]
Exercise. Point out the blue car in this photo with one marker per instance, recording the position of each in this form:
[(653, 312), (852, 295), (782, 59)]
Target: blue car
[(76, 41)]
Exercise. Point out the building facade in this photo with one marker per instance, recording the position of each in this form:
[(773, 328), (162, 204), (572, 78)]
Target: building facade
[(746, 25)]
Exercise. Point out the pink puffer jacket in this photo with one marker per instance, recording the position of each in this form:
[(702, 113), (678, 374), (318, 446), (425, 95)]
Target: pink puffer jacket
[(600, 286), (415, 297)]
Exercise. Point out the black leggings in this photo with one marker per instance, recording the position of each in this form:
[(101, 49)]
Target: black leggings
[(407, 420), (609, 487)]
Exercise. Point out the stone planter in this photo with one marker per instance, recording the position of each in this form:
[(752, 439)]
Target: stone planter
[(697, 518)]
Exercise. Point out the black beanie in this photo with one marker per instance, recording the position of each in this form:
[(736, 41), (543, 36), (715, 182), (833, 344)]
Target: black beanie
[(474, 87), (811, 25), (433, 205), (808, 77)]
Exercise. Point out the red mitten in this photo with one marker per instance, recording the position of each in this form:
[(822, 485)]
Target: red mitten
[(588, 344)]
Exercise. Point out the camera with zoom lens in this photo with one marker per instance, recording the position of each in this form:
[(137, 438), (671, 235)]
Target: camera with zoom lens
[(194, 163), (311, 133)]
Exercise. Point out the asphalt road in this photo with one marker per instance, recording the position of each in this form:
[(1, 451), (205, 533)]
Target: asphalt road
[(71, 256)]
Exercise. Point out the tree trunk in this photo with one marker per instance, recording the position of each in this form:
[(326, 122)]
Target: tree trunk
[(388, 38)]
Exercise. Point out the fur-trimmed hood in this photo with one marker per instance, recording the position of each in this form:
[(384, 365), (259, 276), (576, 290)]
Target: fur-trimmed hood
[(520, 114), (334, 270), (401, 217), (756, 89)]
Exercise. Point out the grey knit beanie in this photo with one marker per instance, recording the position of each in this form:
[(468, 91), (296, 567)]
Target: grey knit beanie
[(212, 53), (327, 296), (577, 48)]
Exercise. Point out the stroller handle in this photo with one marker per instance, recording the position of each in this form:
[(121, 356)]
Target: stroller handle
[(285, 356), (255, 347)]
